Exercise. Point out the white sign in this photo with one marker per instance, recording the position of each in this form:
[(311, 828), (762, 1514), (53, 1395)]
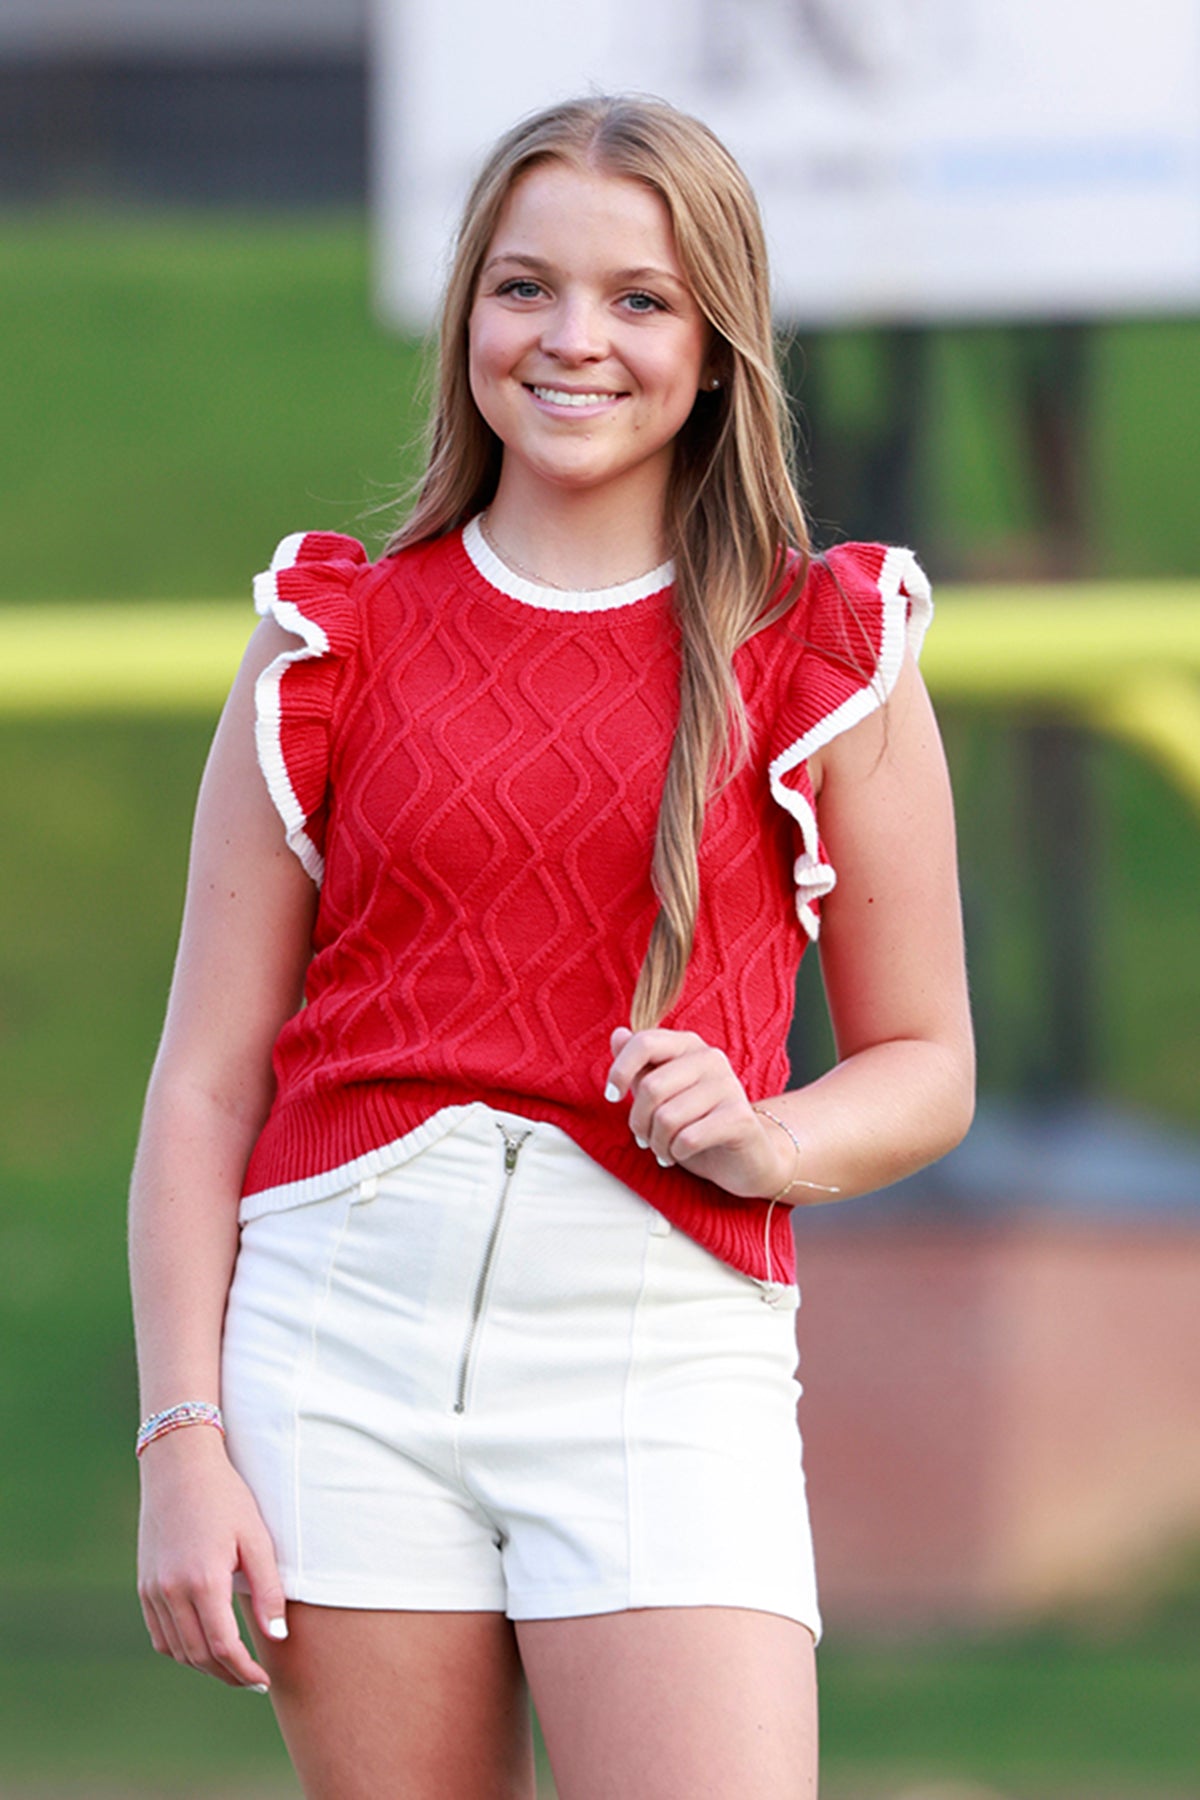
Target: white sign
[(915, 159)]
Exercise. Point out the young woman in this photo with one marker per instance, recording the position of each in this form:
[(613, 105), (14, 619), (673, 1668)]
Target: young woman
[(485, 1250)]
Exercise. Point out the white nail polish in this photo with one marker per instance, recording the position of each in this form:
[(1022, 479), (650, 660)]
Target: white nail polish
[(664, 1162), (612, 1092), (277, 1629), (257, 1687), (642, 1143)]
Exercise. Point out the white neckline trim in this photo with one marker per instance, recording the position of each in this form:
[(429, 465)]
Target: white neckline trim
[(572, 600)]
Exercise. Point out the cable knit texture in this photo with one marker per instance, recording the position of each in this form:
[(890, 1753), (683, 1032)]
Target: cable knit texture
[(475, 780)]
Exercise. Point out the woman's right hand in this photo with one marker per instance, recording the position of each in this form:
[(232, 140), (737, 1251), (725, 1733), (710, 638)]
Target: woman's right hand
[(199, 1523)]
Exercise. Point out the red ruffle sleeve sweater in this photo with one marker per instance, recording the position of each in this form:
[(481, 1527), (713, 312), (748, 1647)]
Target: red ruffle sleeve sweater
[(470, 767)]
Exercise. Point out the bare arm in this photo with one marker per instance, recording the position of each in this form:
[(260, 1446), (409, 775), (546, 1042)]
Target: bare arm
[(243, 951), (892, 960)]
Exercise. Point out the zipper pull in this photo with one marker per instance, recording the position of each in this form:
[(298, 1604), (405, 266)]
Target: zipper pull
[(512, 1146)]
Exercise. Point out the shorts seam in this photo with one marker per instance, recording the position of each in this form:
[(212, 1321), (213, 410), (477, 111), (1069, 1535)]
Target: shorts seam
[(632, 1535), (305, 1376)]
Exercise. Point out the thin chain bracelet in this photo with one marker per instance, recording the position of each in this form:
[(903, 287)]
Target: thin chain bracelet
[(173, 1418), (818, 1187)]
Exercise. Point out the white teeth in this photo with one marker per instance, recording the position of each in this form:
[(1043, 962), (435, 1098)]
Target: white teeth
[(560, 397)]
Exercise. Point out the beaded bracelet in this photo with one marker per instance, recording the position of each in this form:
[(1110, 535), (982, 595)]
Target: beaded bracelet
[(818, 1187), (173, 1418)]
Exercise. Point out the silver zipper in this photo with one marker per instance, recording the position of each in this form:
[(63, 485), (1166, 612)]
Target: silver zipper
[(512, 1149)]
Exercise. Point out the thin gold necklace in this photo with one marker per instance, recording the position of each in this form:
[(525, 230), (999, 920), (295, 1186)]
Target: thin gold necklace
[(519, 568)]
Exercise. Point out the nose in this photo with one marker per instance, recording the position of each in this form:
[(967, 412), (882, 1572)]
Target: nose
[(574, 330)]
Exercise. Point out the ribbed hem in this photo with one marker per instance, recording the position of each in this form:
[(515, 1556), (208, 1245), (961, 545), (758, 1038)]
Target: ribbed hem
[(319, 1146)]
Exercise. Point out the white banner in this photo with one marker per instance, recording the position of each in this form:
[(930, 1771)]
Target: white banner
[(915, 159)]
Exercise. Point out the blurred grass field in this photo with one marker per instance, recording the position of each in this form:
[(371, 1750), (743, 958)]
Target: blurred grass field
[(180, 391), (1048, 1716), (178, 395)]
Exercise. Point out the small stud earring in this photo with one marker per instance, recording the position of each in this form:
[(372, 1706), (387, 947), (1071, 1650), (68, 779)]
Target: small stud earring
[(715, 383)]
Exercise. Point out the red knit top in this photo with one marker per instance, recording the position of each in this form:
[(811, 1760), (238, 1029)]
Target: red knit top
[(471, 767)]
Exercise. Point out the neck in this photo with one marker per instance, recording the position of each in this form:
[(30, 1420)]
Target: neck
[(577, 540)]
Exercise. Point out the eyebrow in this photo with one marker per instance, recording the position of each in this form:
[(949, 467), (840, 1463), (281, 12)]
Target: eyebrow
[(537, 263)]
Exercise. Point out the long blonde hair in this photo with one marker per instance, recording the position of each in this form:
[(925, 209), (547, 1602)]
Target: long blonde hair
[(733, 518)]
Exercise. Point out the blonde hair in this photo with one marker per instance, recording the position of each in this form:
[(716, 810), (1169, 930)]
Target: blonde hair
[(733, 518)]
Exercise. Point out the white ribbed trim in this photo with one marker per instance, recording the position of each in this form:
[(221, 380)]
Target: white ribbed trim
[(360, 1168), (901, 579), (573, 600), (268, 736)]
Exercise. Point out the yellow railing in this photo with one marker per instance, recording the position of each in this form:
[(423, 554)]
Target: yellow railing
[(1118, 658)]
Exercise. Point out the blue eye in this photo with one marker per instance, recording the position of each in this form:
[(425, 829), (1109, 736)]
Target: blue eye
[(522, 287), (643, 303)]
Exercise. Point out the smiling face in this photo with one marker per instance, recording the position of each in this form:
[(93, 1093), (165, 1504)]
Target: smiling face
[(586, 347)]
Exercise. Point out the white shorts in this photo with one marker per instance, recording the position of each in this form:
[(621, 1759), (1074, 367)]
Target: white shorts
[(494, 1379)]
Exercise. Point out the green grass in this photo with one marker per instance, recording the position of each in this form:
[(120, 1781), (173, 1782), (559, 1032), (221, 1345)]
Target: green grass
[(88, 914), (1014, 1718), (181, 390), (1034, 1718), (82, 1700), (180, 393), (134, 1723)]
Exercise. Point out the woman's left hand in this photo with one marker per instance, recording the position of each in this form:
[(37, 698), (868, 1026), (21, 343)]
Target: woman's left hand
[(689, 1107)]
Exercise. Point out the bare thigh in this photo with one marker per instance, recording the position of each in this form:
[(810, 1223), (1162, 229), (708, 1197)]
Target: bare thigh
[(676, 1703), (373, 1704)]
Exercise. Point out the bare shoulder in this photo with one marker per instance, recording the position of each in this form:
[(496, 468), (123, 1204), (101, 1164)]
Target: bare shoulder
[(891, 929), (249, 910), (896, 736), (233, 792)]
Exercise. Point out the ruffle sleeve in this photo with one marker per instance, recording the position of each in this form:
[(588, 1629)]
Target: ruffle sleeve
[(306, 590), (864, 606)]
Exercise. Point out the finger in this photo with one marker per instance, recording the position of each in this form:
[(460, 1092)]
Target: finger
[(641, 1050), (166, 1610), (203, 1633), (665, 1098), (186, 1632), (160, 1636), (671, 1096), (723, 1127), (266, 1589), (621, 1069), (224, 1653)]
